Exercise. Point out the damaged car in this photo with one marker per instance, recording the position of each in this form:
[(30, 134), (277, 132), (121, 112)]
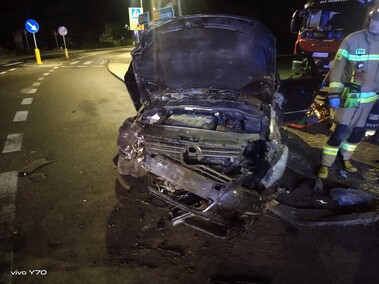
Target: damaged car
[(206, 136)]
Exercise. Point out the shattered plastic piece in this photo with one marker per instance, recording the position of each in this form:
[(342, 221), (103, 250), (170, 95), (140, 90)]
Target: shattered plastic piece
[(37, 177), (155, 118), (33, 166), (343, 174), (350, 196)]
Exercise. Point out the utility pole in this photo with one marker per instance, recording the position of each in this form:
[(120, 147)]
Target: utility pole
[(179, 8), (178, 3), (56, 40), (26, 39)]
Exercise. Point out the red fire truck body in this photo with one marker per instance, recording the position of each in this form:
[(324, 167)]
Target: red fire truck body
[(323, 24)]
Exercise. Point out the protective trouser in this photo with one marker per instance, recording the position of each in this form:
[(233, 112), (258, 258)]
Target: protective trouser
[(345, 147), (373, 119), (348, 121)]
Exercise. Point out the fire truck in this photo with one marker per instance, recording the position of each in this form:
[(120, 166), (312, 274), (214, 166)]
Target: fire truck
[(323, 24)]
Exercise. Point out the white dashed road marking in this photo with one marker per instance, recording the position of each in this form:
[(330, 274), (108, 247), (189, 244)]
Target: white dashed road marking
[(4, 72), (28, 91), (13, 143), (27, 101), (21, 116), (85, 64), (10, 64)]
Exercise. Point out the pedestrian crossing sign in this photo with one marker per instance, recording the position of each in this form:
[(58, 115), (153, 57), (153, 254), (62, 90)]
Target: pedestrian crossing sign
[(134, 12)]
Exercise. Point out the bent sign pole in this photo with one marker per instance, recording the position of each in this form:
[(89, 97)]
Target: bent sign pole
[(33, 27), (63, 31)]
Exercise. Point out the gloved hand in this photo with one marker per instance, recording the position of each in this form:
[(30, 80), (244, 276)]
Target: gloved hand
[(334, 102), (372, 122)]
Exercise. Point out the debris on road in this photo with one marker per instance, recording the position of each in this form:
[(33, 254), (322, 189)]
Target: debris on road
[(29, 170)]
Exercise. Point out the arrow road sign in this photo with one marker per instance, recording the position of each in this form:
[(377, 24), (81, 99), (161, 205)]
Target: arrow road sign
[(31, 26)]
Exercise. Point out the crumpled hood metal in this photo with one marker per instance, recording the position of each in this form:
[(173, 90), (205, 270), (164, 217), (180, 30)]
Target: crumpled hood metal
[(204, 51)]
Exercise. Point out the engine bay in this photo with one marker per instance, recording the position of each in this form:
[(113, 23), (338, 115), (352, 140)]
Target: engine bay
[(209, 119)]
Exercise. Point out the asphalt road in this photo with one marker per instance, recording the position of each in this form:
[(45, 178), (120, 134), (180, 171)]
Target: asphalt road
[(67, 112), (62, 223)]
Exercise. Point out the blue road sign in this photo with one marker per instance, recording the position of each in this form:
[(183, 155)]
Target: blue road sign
[(134, 12), (31, 26), (143, 19), (163, 14)]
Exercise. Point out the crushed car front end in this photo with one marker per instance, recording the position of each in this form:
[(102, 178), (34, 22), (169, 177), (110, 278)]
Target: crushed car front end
[(207, 134)]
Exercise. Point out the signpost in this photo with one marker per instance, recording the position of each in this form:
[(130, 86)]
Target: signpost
[(56, 39), (33, 27), (163, 14), (26, 39), (62, 30)]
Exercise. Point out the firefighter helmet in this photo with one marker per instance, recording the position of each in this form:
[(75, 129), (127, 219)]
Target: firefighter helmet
[(374, 14)]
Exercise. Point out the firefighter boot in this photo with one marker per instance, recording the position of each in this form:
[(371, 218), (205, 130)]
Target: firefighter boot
[(323, 172), (349, 167)]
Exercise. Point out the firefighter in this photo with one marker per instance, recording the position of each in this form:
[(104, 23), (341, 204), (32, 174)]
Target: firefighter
[(353, 87)]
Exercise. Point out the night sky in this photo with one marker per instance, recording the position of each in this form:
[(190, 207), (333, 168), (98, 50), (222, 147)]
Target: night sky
[(87, 20)]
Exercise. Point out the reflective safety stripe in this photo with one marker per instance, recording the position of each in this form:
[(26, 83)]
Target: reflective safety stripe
[(327, 150), (365, 57), (368, 97), (356, 57), (374, 116), (348, 147), (343, 52), (336, 85), (367, 100)]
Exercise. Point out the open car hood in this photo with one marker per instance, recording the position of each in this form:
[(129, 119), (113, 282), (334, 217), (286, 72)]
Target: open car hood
[(204, 51)]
